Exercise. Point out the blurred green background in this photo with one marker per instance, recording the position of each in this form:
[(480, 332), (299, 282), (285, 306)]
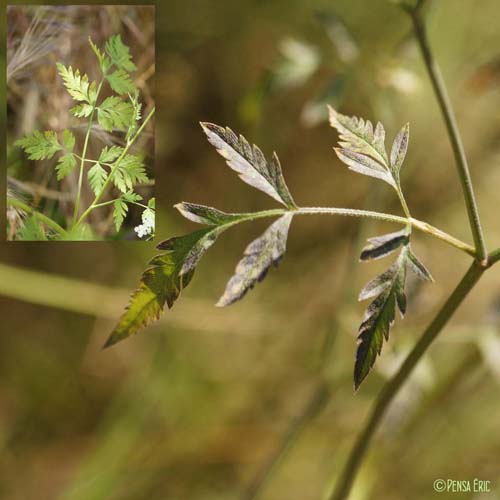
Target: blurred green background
[(256, 400)]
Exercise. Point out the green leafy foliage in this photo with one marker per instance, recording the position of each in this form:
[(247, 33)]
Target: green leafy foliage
[(259, 256), (362, 148), (40, 146), (31, 230), (113, 113), (249, 162), (119, 53), (120, 209), (130, 171), (81, 110), (77, 85), (104, 61), (65, 165), (97, 176), (121, 82), (162, 282), (109, 154)]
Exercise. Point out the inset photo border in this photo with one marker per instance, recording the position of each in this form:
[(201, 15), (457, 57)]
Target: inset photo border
[(80, 122)]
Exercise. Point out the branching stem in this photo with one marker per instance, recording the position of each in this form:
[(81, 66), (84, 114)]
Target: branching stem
[(84, 152), (350, 212), (130, 142)]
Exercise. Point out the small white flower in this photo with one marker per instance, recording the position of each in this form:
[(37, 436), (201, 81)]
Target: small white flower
[(148, 223)]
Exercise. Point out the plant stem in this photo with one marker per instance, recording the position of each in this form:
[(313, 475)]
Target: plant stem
[(350, 212), (130, 142), (13, 202), (494, 257), (453, 132), (84, 152), (386, 396)]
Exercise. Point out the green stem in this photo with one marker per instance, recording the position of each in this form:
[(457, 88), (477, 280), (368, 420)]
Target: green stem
[(130, 142), (12, 202), (389, 391), (350, 212), (494, 257), (84, 152), (453, 132)]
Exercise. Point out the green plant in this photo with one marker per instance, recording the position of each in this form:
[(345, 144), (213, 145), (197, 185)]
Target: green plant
[(362, 149), (115, 166)]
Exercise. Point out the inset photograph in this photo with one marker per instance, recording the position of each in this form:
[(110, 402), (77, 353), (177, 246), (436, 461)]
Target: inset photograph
[(80, 115)]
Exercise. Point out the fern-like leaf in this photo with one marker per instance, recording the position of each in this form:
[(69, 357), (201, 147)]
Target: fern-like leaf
[(113, 113), (249, 162), (65, 165), (119, 53), (97, 177), (77, 85), (40, 146), (363, 147), (259, 256), (202, 214), (388, 290), (162, 282), (121, 82), (120, 209)]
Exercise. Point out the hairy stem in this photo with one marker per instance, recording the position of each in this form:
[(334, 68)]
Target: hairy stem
[(389, 391), (84, 152), (130, 142), (351, 212), (12, 202), (452, 128)]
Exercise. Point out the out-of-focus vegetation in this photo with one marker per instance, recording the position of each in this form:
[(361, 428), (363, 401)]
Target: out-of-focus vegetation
[(51, 67), (200, 405)]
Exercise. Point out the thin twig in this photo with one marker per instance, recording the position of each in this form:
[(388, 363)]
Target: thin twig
[(453, 132)]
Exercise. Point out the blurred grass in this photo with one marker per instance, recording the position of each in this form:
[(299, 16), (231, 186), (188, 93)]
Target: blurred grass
[(195, 407)]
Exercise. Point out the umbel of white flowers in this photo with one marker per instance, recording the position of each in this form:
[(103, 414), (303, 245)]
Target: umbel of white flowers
[(148, 224)]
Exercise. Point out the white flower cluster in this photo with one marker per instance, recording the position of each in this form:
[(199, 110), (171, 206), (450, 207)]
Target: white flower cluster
[(148, 223)]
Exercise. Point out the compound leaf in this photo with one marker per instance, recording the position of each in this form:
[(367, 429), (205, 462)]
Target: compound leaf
[(119, 53), (113, 112), (97, 177), (258, 257), (162, 282), (77, 85), (40, 146), (130, 171), (121, 82), (399, 148), (249, 162), (65, 165), (389, 293)]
